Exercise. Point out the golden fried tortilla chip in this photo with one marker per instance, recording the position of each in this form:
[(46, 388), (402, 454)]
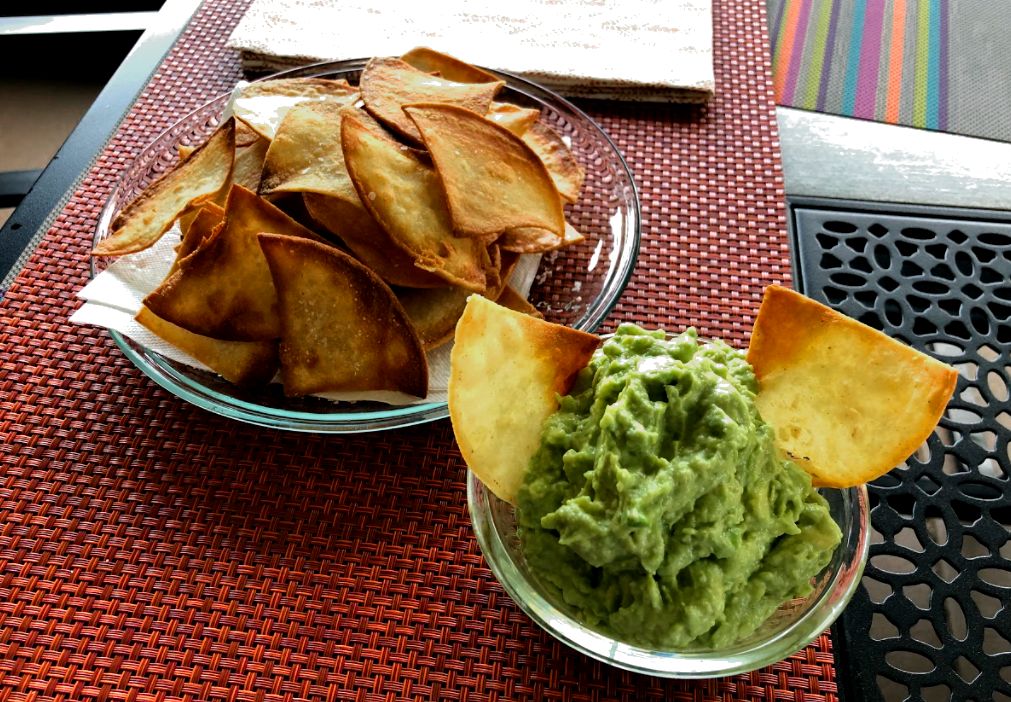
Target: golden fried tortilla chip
[(387, 84), (492, 180), (516, 119), (224, 289), (250, 152), (342, 328), (450, 68), (506, 372), (263, 104), (516, 302), (349, 221), (198, 178), (434, 312), (305, 155), (566, 172), (240, 362), (847, 402), (536, 240), (204, 224), (404, 196)]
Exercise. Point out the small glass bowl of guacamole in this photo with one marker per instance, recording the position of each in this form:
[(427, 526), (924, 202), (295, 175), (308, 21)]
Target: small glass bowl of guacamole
[(657, 528)]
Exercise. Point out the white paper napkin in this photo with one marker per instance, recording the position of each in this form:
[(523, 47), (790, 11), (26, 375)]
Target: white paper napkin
[(638, 50), (114, 296)]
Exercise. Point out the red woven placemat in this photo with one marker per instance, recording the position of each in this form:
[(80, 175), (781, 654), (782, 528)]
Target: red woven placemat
[(152, 551)]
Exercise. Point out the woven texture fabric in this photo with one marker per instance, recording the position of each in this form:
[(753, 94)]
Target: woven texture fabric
[(152, 551), (932, 64)]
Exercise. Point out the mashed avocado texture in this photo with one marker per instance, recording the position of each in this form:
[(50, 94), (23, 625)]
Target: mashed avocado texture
[(657, 506)]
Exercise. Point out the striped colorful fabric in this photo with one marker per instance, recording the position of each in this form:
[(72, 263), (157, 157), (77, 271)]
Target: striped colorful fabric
[(934, 64)]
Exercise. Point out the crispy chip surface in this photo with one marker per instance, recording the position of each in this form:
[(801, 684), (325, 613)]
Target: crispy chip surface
[(240, 362), (448, 67), (250, 152), (204, 173), (263, 104), (387, 84), (202, 226), (404, 196), (536, 240), (224, 289), (351, 223), (506, 372), (342, 327), (305, 155), (847, 402), (434, 312), (493, 181), (566, 172), (516, 119)]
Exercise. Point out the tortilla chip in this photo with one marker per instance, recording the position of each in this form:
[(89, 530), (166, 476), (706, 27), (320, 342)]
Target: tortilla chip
[(516, 302), (566, 172), (263, 104), (185, 151), (516, 119), (404, 196), (847, 402), (224, 289), (450, 68), (204, 225), (492, 180), (342, 327), (198, 178), (250, 152), (240, 362), (536, 240), (305, 155), (351, 223), (434, 312), (507, 370), (387, 84)]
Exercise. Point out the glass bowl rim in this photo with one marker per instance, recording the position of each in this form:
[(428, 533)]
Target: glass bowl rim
[(161, 371), (701, 664)]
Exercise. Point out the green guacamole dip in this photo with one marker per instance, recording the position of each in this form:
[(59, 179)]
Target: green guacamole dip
[(657, 506)]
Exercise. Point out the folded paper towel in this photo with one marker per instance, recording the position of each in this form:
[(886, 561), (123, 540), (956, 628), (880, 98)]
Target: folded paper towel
[(115, 296), (638, 50)]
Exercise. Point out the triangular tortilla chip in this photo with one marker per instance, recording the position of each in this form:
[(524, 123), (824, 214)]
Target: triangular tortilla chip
[(566, 172), (492, 180), (351, 223), (387, 84), (404, 196), (203, 225), (536, 240), (847, 402), (224, 289), (198, 178), (448, 67), (516, 119), (263, 104), (250, 151), (306, 156), (342, 327), (240, 362), (507, 370), (434, 312)]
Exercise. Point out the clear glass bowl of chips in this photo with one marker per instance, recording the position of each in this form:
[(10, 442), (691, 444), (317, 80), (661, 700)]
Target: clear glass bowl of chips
[(577, 286), (793, 626)]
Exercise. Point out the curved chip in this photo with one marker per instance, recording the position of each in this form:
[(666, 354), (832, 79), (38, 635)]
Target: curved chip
[(448, 67), (536, 240), (387, 84), (202, 175), (493, 181), (351, 223), (566, 172), (305, 154), (342, 329), (240, 362), (404, 196), (507, 370), (847, 402), (224, 289), (263, 104), (202, 227), (516, 119)]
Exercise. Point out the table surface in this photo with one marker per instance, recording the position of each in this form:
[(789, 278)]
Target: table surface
[(151, 551)]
